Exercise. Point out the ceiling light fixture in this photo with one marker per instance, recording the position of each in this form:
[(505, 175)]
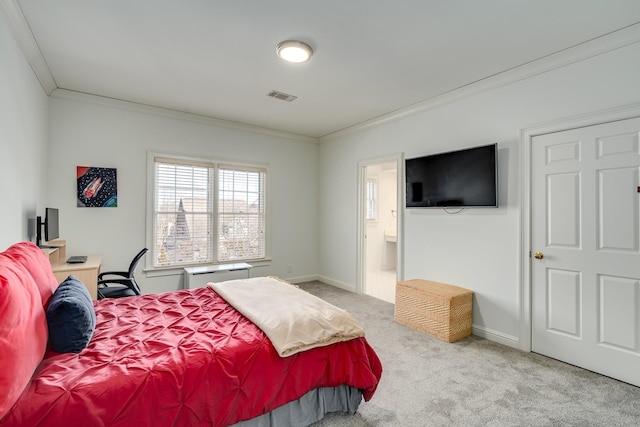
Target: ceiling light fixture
[(294, 51)]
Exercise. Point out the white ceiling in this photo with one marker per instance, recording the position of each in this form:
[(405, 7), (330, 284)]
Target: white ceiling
[(371, 57)]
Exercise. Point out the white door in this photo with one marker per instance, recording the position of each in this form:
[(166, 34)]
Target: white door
[(585, 231)]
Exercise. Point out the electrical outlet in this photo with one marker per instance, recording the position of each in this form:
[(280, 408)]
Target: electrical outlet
[(289, 269)]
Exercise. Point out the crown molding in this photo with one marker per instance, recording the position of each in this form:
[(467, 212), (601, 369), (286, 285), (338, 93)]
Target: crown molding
[(15, 20), (13, 16), (177, 115), (591, 48)]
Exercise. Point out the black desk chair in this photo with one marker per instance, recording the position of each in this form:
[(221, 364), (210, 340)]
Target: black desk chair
[(125, 282)]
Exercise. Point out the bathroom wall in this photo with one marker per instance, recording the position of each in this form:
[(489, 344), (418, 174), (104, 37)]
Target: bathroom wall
[(380, 245)]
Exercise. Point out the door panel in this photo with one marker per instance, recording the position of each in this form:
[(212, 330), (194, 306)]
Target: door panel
[(618, 303), (617, 208), (563, 213), (563, 293), (585, 215)]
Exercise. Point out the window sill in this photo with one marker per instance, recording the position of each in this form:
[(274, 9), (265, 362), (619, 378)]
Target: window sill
[(179, 270)]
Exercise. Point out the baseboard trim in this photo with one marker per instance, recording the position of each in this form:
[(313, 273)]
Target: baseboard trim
[(301, 279), (495, 336), (337, 284)]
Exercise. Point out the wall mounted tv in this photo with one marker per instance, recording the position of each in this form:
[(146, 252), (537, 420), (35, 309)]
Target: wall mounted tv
[(461, 179)]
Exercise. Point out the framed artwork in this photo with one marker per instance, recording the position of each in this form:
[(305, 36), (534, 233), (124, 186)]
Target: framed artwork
[(97, 187)]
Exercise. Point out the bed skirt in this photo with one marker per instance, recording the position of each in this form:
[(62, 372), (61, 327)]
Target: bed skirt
[(310, 408)]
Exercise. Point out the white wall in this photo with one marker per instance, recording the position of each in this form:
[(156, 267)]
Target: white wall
[(479, 249), (23, 142), (93, 131)]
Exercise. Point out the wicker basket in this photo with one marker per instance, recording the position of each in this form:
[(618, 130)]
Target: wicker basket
[(440, 310)]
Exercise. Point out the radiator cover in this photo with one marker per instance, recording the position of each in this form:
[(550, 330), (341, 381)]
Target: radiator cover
[(197, 277)]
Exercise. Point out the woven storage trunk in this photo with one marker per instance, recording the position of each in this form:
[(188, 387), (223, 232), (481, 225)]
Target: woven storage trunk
[(440, 310)]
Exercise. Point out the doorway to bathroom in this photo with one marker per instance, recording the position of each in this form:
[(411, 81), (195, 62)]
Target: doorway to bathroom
[(379, 222)]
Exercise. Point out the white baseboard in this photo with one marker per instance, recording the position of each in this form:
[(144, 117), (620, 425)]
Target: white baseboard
[(301, 279), (341, 285), (499, 337)]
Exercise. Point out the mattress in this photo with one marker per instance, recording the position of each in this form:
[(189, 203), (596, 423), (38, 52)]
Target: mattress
[(182, 358)]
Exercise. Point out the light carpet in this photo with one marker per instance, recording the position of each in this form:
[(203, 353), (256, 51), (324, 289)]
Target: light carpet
[(473, 382)]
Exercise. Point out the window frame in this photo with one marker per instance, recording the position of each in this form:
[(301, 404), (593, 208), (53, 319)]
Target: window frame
[(214, 216), (372, 200), (262, 210)]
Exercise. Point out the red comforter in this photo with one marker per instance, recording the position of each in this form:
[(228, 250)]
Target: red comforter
[(182, 358)]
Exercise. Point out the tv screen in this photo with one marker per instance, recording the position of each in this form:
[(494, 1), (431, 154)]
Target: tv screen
[(463, 178)]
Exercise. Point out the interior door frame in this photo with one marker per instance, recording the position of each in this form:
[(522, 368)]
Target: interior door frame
[(398, 159), (526, 137)]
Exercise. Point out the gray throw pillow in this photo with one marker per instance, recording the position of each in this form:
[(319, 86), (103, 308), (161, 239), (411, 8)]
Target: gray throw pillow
[(71, 317)]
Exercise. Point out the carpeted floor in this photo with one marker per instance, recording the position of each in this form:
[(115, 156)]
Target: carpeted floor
[(473, 382)]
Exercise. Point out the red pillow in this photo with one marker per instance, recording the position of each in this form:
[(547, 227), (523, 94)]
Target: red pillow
[(23, 330), (32, 258)]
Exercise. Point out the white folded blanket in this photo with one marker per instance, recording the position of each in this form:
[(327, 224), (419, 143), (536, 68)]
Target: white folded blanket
[(293, 319)]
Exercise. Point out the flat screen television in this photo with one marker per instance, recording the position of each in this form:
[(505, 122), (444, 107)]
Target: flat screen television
[(461, 179), (50, 224)]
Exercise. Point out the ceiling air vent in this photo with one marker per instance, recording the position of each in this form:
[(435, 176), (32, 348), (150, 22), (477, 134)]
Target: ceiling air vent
[(282, 96)]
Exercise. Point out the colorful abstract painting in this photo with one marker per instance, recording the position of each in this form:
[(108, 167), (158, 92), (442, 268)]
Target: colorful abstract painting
[(97, 187)]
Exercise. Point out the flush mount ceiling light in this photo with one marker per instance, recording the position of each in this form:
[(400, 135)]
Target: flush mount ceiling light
[(294, 51)]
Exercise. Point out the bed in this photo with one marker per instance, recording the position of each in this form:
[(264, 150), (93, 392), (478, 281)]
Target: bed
[(189, 358)]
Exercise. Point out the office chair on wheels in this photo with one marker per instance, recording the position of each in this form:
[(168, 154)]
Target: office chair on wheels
[(125, 282)]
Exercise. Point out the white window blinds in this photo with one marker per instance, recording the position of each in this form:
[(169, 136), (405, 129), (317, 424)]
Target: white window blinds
[(183, 212), (372, 199), (241, 213), (195, 224)]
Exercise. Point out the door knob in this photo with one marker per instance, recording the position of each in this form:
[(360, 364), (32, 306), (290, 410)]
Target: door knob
[(538, 255)]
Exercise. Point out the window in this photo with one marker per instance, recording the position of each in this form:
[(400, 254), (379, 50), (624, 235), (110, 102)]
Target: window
[(206, 213), (241, 214), (372, 199)]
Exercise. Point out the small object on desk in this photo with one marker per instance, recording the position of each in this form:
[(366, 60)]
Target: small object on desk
[(78, 259)]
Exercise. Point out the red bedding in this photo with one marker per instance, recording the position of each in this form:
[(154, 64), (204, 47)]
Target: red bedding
[(182, 358)]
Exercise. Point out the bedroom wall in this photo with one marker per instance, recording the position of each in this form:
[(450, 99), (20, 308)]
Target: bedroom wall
[(23, 142), (93, 131), (479, 249)]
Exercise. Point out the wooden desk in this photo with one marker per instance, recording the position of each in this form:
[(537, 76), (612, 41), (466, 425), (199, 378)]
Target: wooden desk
[(86, 272)]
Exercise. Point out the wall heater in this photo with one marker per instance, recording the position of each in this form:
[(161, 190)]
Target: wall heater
[(197, 277)]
